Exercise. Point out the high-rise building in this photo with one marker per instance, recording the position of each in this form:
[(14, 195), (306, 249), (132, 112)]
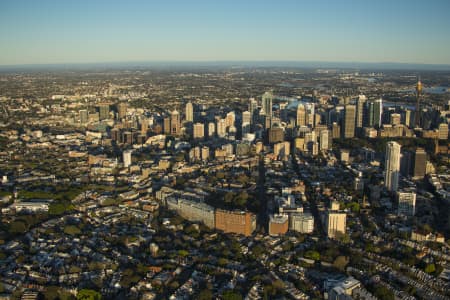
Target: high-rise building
[(205, 153), (252, 106), (301, 115), (408, 118), (324, 139), (167, 125), (395, 119), (406, 203), (144, 126), (267, 102), (103, 111), (199, 130), (392, 166), (211, 129), (221, 128), (121, 110), (377, 112), (349, 121), (175, 123), (335, 223), (246, 117), (84, 117), (189, 112), (127, 158), (336, 131), (230, 119), (275, 135), (443, 131), (420, 163), (417, 116), (360, 103)]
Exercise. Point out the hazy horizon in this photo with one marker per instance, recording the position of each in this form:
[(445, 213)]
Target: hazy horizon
[(74, 32)]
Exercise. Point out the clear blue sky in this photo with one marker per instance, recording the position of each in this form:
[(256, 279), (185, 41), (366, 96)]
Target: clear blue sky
[(73, 31)]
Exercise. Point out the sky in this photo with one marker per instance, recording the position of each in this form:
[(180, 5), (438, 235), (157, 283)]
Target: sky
[(96, 31)]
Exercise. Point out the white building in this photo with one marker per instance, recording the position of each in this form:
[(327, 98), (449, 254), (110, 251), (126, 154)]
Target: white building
[(127, 158), (303, 223), (392, 166)]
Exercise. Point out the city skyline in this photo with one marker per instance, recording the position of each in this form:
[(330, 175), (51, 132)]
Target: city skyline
[(52, 32)]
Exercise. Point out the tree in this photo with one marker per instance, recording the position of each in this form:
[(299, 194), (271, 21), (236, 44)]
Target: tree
[(86, 294), (205, 294), (340, 262), (231, 295), (430, 268), (17, 227), (311, 254), (72, 230)]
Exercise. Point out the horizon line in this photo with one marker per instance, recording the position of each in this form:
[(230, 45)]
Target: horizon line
[(254, 63)]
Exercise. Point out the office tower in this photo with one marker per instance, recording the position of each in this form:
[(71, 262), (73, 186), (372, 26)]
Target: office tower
[(406, 203), (407, 163), (144, 126), (360, 103), (369, 111), (420, 163), (211, 129), (443, 131), (127, 158), (103, 111), (127, 137), (301, 115), (392, 166), (205, 153), (199, 130), (324, 139), (189, 112), (230, 119), (115, 135), (121, 110), (275, 135), (408, 118), (336, 130), (349, 121), (252, 106), (267, 100), (167, 125), (310, 114), (246, 117), (377, 113), (221, 128), (175, 123), (395, 119), (83, 116), (418, 94)]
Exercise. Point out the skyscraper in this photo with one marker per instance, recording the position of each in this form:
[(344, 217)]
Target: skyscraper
[(189, 112), (420, 163), (199, 130), (83, 116), (360, 103), (377, 112), (418, 94), (301, 115), (267, 100), (103, 111), (349, 121), (175, 122), (127, 158), (392, 166), (121, 110)]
